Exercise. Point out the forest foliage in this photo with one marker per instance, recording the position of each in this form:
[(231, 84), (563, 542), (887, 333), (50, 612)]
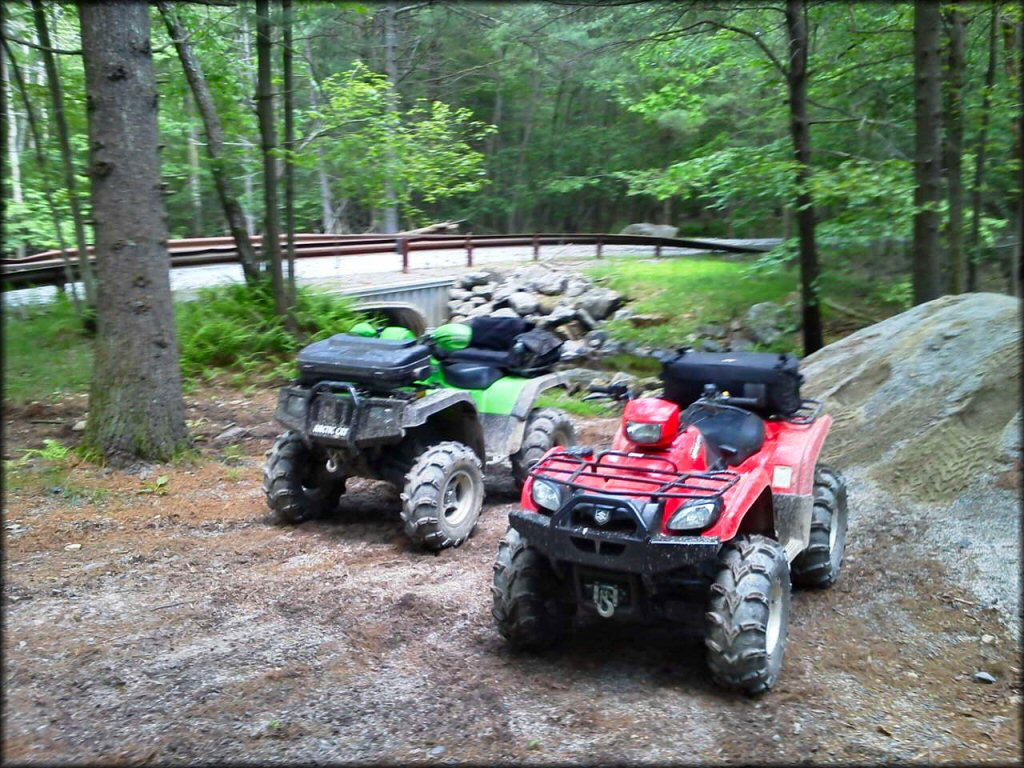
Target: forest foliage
[(550, 117)]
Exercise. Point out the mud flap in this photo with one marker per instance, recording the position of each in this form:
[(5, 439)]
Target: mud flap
[(793, 521)]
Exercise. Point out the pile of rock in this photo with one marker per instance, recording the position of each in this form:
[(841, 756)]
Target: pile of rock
[(565, 302)]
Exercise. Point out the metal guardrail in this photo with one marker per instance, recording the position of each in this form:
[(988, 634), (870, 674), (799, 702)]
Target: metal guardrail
[(47, 268)]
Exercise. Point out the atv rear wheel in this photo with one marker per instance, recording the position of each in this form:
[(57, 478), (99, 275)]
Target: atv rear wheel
[(820, 563), (748, 614), (545, 428), (296, 482), (528, 608), (443, 495)]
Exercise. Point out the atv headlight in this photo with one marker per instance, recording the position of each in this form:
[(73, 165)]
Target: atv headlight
[(644, 433), (546, 495), (695, 515)]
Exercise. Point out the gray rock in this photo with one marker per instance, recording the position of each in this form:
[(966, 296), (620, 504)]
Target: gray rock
[(483, 309), (79, 426), (623, 314), (596, 339), (476, 301), (599, 302), (650, 230), (457, 319), (586, 319), (710, 345), (501, 294), (768, 322), (576, 286), (486, 290), (984, 677), (574, 349), (459, 294), (523, 303), (505, 312), (453, 306), (473, 279), (559, 316), (712, 331), (551, 284), (740, 344), (232, 435), (437, 751)]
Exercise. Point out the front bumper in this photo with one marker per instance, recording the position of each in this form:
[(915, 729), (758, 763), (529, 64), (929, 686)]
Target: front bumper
[(643, 553)]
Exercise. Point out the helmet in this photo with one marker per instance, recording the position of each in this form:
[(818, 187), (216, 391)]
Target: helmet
[(453, 336)]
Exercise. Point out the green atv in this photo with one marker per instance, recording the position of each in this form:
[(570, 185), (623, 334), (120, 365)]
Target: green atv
[(425, 415)]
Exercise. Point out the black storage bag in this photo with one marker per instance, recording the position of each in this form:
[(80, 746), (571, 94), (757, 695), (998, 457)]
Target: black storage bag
[(385, 363), (497, 333), (772, 379), (538, 351)]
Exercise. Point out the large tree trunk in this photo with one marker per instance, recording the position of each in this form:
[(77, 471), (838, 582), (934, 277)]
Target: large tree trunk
[(136, 406), (195, 184), (797, 76), (33, 125), (980, 151), (1013, 39), (927, 150), (60, 121), (268, 145), (954, 151), (214, 142), (289, 146)]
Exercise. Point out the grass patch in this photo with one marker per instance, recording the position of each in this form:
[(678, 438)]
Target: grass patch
[(699, 290), (229, 330), (576, 405), (47, 354)]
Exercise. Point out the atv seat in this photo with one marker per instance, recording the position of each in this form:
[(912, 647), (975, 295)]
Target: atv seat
[(732, 435), (470, 375)]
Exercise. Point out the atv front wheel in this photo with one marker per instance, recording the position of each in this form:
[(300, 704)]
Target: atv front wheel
[(820, 563), (296, 482), (528, 609), (443, 494), (748, 614), (545, 428)]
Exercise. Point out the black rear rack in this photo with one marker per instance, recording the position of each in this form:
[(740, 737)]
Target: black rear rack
[(808, 411), (566, 469)]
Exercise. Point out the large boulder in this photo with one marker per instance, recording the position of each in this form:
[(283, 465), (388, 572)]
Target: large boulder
[(650, 230), (925, 399)]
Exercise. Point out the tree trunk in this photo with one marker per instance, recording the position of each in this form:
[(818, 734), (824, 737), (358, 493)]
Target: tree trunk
[(136, 406), (1013, 39), (249, 173), (796, 26), (954, 151), (927, 150), (289, 146), (391, 69), (268, 146), (229, 203), (33, 125), (195, 186), (980, 152), (10, 120), (60, 121)]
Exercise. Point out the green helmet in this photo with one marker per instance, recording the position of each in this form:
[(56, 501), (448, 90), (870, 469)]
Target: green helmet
[(453, 336), (362, 329), (397, 332)]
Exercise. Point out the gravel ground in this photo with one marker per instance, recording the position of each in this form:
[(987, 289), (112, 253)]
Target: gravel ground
[(177, 623)]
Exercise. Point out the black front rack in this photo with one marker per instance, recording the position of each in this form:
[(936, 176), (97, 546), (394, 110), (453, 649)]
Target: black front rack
[(567, 469), (808, 411)]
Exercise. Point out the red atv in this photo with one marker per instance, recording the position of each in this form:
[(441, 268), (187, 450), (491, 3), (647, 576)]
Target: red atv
[(706, 507)]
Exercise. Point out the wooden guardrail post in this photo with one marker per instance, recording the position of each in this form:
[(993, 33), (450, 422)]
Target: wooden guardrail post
[(536, 247), (469, 249), (405, 254), (657, 251), (599, 247)]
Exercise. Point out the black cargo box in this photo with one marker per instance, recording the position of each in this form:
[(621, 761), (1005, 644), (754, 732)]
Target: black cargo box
[(384, 363), (773, 379)]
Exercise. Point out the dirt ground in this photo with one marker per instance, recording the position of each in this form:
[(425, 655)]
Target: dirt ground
[(150, 620)]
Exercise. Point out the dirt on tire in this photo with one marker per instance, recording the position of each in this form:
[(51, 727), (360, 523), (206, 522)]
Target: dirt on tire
[(172, 621)]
